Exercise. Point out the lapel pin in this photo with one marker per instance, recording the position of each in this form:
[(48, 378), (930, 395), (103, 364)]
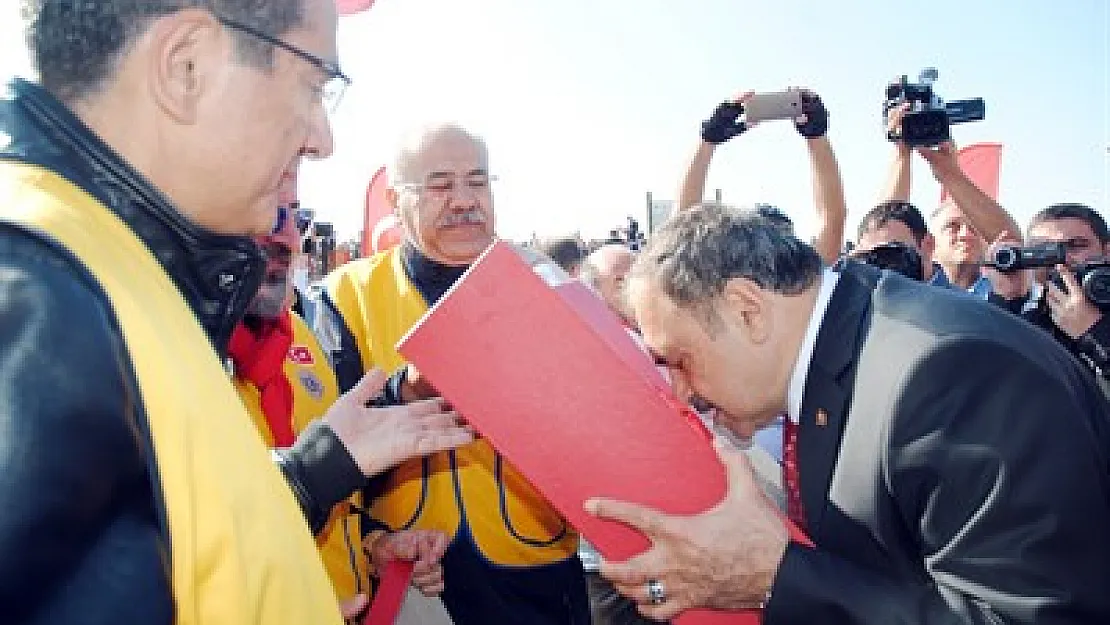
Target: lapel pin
[(822, 417)]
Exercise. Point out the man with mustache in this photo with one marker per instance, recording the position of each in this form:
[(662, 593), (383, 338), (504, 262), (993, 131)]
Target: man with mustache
[(512, 556)]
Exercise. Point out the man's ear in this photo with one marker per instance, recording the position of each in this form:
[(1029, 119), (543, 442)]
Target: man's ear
[(745, 305), (928, 246), (186, 51), (391, 199)]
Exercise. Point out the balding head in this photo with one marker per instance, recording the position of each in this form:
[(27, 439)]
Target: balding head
[(440, 190), (605, 270)]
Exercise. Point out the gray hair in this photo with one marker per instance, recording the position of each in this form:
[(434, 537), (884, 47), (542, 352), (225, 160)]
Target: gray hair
[(695, 253), (416, 141), (76, 45)]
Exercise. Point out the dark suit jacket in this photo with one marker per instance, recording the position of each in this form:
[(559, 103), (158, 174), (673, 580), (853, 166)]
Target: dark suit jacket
[(959, 473)]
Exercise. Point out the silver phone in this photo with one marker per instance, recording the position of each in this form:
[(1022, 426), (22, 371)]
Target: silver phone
[(777, 105)]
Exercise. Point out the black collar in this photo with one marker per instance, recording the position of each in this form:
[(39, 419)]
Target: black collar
[(431, 278), (216, 274)]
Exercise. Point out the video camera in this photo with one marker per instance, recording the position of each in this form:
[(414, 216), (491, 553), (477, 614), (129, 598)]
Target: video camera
[(1013, 258), (893, 256), (1094, 278), (928, 121)]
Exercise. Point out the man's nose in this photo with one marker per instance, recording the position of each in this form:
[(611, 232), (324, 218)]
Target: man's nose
[(320, 142)]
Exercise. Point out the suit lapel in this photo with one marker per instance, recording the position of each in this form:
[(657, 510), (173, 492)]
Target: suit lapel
[(828, 392)]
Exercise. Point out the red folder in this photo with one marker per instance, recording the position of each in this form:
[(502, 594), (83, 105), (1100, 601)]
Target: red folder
[(390, 594), (548, 374)]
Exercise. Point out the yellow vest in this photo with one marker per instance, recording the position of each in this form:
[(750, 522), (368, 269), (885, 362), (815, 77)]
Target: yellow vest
[(379, 305), (241, 550), (314, 391)]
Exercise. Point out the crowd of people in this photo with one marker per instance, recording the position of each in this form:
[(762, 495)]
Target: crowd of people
[(183, 443)]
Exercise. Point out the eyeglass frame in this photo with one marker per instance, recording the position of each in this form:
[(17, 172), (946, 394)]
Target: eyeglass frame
[(421, 187), (329, 68)]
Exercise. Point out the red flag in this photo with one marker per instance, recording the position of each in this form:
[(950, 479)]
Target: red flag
[(377, 207), (350, 7), (387, 233), (982, 163)]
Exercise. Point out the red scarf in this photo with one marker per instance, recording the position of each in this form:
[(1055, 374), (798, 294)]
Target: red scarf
[(260, 360)]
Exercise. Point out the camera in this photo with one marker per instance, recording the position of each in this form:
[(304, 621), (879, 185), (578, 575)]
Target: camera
[(1094, 278), (1012, 258), (928, 121), (894, 256)]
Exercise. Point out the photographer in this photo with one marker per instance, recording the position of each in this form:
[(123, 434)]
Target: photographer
[(960, 226), (1068, 313), (828, 192), (893, 236)]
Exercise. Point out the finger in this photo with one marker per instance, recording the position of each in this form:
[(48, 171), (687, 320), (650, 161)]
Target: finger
[(648, 521), (368, 387), (425, 406), (737, 466), (425, 443), (438, 421), (663, 613), (435, 545), (1005, 237), (431, 590), (743, 97), (1054, 294), (1069, 279), (428, 578), (638, 593), (635, 571), (353, 607)]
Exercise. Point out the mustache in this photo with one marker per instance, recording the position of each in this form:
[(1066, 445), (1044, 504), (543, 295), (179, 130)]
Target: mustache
[(472, 217)]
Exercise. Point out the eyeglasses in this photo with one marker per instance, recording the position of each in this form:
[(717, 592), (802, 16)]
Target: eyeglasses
[(336, 83), (447, 185), (302, 217)]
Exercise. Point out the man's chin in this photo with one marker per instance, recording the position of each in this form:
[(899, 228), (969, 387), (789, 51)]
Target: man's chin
[(463, 252)]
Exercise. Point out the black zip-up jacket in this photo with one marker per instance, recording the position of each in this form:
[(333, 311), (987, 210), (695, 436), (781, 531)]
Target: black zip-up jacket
[(83, 534)]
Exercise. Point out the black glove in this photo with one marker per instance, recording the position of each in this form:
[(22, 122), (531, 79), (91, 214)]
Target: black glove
[(817, 117), (724, 124)]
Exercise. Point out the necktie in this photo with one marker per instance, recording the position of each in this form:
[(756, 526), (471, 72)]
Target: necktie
[(794, 510)]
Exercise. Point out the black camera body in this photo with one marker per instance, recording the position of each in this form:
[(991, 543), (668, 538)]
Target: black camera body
[(1013, 258), (894, 256), (1094, 278), (928, 121)]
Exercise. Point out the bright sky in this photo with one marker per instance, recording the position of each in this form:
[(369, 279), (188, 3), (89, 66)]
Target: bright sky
[(589, 104)]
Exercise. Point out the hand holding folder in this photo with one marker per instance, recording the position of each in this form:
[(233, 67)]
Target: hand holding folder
[(547, 373)]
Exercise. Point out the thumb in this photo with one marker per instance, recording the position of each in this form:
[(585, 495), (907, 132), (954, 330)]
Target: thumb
[(368, 387), (353, 607), (738, 468)]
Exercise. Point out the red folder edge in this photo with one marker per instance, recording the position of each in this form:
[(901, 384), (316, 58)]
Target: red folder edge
[(395, 580), (421, 349)]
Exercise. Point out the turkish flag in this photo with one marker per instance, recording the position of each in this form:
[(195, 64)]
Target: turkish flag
[(350, 7), (301, 355), (387, 234), (376, 209), (982, 162)]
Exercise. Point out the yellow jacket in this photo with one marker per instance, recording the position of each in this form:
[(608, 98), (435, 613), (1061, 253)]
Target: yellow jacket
[(241, 552), (512, 557)]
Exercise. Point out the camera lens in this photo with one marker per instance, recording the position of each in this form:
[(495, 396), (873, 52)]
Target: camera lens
[(1096, 286), (1006, 258)]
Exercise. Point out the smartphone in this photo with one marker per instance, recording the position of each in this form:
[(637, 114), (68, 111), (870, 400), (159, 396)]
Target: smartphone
[(777, 105)]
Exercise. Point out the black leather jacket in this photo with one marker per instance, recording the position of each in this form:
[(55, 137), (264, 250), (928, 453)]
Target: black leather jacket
[(83, 535)]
